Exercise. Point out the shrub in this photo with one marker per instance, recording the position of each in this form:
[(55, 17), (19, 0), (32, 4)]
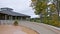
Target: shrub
[(57, 24), (16, 23)]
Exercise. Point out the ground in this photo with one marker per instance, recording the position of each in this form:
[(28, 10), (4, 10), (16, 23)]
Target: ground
[(11, 29), (32, 27)]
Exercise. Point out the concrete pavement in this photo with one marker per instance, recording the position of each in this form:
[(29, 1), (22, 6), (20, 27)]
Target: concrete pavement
[(40, 28)]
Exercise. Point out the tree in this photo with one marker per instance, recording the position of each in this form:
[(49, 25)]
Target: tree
[(39, 6), (41, 9)]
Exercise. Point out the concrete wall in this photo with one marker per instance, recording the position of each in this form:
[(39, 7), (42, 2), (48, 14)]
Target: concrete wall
[(6, 22), (10, 22)]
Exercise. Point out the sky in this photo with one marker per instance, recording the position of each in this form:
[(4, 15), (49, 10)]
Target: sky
[(20, 6)]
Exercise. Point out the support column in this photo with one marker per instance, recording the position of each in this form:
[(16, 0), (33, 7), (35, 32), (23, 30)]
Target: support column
[(11, 18), (5, 17), (21, 18), (5, 21)]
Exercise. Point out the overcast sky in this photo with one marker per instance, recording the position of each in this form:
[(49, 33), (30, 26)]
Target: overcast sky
[(21, 6)]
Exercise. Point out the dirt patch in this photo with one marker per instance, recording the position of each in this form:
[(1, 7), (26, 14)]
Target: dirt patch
[(10, 29)]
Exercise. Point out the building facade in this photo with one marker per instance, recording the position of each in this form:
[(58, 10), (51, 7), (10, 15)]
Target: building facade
[(8, 14)]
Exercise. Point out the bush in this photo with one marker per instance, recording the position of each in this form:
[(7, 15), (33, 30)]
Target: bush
[(57, 24), (16, 23), (52, 22)]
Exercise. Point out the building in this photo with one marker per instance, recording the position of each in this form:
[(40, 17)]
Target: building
[(8, 14)]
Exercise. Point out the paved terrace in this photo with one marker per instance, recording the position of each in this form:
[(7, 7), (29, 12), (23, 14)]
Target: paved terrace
[(39, 27)]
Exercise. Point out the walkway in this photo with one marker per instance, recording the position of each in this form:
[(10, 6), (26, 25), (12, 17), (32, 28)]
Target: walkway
[(41, 28)]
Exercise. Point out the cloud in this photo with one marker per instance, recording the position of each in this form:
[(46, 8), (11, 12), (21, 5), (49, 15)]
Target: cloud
[(21, 6)]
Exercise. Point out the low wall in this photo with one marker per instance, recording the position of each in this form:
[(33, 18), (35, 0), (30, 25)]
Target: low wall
[(6, 22), (10, 22)]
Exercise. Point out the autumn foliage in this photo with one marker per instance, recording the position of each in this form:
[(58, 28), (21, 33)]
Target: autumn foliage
[(41, 9)]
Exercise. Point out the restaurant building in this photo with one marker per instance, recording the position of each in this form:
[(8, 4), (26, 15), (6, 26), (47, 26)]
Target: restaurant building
[(9, 14)]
